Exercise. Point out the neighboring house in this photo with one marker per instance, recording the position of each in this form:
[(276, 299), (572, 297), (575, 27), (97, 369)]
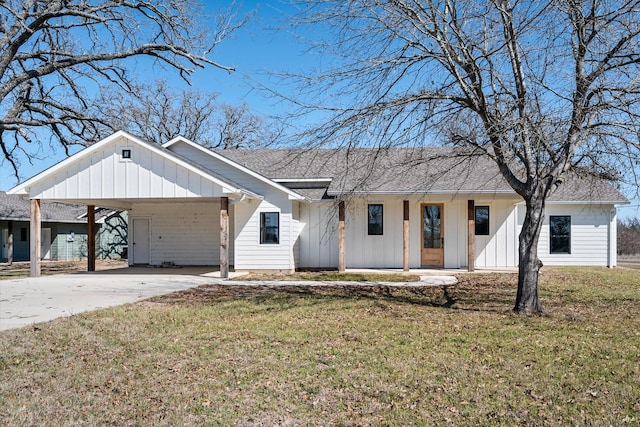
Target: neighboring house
[(63, 231), (289, 209)]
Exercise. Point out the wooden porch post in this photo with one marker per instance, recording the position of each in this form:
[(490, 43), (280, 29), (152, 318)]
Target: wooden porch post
[(10, 242), (341, 244), (405, 237), (471, 252), (34, 238), (91, 238), (224, 237)]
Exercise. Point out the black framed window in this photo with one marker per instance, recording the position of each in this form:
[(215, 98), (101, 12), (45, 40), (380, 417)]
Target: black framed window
[(23, 234), (269, 228), (482, 220), (374, 227), (560, 230)]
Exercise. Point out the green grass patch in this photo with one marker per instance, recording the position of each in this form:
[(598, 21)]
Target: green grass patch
[(338, 355)]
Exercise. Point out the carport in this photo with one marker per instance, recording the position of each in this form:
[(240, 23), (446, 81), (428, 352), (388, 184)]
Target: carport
[(126, 173)]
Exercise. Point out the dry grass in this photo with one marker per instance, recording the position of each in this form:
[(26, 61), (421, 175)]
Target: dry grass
[(329, 276), (21, 269), (348, 355)]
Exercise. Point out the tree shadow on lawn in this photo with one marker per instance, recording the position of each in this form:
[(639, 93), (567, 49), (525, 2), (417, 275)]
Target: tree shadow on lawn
[(487, 292)]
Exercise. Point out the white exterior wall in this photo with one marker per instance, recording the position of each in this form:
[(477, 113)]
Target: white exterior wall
[(249, 253), (500, 247), (105, 175), (592, 235), (318, 241), (319, 236), (182, 233)]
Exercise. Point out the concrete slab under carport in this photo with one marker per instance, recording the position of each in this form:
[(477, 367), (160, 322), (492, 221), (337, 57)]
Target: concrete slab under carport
[(27, 301)]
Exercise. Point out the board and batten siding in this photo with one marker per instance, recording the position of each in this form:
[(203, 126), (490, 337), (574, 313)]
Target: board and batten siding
[(593, 230), (500, 247), (318, 241), (181, 233), (105, 175)]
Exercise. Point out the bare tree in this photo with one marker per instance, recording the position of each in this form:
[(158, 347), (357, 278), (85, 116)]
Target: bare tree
[(158, 113), (238, 127), (544, 89), (55, 54), (629, 237)]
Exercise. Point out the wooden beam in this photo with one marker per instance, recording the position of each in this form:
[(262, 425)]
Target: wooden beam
[(471, 245), (405, 236), (91, 238), (224, 237), (10, 242), (341, 243), (35, 238)]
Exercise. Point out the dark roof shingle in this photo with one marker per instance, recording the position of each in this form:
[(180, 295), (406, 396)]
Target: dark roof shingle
[(17, 208), (404, 171)]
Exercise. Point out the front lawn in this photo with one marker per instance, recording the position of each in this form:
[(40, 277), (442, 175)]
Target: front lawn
[(348, 355)]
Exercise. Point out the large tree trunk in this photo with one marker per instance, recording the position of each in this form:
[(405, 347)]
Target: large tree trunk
[(529, 264)]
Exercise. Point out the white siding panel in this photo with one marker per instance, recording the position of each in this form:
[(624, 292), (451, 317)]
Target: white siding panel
[(318, 235), (168, 183), (365, 251), (454, 233), (144, 174), (104, 174), (499, 248), (182, 233), (108, 170), (589, 235), (249, 253)]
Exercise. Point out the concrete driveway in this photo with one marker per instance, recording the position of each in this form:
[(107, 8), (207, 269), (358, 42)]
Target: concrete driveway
[(27, 301)]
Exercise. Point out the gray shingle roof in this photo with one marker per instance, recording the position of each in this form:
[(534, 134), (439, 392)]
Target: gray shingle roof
[(17, 208), (403, 171)]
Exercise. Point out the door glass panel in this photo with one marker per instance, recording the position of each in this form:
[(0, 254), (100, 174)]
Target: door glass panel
[(431, 227)]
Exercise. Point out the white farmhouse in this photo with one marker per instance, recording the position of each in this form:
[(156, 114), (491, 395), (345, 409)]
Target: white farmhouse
[(274, 209)]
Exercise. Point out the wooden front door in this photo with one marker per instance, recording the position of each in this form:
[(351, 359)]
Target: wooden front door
[(432, 252)]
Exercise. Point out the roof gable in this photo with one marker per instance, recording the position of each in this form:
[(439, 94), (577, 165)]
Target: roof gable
[(174, 146), (102, 171)]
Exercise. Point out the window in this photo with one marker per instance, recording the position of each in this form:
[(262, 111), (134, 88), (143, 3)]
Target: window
[(126, 153), (482, 220), (23, 234), (560, 229), (375, 220), (269, 228)]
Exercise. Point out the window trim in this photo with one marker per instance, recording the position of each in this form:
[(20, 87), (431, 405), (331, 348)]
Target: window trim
[(369, 224), (126, 151), (475, 220), (263, 228), (551, 236)]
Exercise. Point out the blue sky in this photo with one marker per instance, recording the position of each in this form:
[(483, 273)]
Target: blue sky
[(254, 50)]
